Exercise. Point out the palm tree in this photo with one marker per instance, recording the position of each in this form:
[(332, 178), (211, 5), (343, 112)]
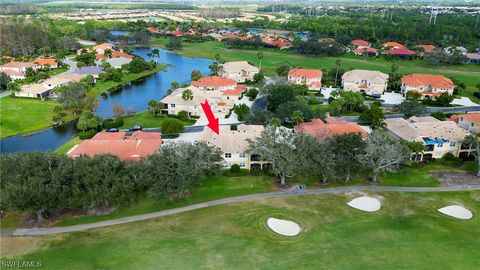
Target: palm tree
[(259, 57), (155, 53), (152, 104), (217, 57), (108, 53), (338, 64), (297, 117), (174, 85), (275, 122), (187, 94)]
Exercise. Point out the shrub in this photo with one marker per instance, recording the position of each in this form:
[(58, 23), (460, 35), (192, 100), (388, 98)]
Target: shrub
[(252, 93), (113, 123), (235, 168), (233, 127), (450, 160), (439, 115), (171, 126), (183, 114), (87, 134)]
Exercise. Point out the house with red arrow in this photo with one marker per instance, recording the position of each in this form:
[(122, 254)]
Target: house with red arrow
[(234, 145)]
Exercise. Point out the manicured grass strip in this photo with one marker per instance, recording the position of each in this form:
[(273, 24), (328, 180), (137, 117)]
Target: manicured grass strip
[(10, 221), (22, 115), (272, 59), (62, 150), (407, 233), (147, 120), (101, 87), (213, 188)]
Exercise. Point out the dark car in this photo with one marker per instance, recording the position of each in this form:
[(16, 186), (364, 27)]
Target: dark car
[(136, 128), (112, 130)]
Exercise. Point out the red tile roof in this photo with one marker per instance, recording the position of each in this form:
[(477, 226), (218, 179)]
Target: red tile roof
[(115, 54), (152, 30), (278, 43), (399, 52), (213, 81), (366, 50), (128, 148), (321, 130), (393, 44), (103, 46), (46, 61), (176, 33), (436, 81), (359, 42), (426, 47), (473, 117), (15, 64), (304, 72), (234, 92)]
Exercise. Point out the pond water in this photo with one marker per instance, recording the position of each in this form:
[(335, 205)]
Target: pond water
[(134, 96)]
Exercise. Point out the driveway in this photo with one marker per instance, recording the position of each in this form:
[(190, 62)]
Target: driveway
[(392, 98), (464, 101)]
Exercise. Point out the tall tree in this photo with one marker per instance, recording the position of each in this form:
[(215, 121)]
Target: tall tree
[(260, 57), (473, 141), (277, 146), (383, 155)]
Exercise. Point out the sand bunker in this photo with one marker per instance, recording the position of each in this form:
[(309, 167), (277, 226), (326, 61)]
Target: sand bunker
[(365, 203), (283, 227), (456, 211)]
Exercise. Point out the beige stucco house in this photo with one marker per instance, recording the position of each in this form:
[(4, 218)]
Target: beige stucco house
[(438, 137), (234, 145), (312, 78), (373, 83), (240, 71)]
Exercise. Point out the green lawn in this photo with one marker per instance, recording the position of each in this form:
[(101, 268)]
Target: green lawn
[(469, 74), (22, 115), (147, 120), (407, 233), (62, 150), (213, 188), (101, 87)]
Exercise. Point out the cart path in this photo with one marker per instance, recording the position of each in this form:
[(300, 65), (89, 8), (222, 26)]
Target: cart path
[(244, 198)]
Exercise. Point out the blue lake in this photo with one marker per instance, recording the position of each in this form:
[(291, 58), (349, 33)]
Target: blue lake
[(134, 96)]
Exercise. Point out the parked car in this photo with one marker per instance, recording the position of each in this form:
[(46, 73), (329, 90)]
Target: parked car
[(112, 130), (136, 128)]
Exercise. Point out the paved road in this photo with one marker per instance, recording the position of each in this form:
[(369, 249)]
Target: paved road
[(82, 227)]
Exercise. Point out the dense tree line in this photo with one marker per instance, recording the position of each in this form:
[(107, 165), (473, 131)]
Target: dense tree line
[(408, 27), (337, 158), (45, 182)]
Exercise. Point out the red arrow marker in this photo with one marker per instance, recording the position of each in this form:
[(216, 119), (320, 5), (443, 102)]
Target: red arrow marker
[(212, 121)]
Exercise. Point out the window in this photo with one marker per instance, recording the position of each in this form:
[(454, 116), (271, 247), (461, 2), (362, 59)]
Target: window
[(242, 155), (440, 145), (452, 144), (228, 155), (242, 165), (172, 105)]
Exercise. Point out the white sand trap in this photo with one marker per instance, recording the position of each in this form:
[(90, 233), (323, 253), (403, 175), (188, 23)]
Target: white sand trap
[(365, 203), (456, 211), (283, 227)]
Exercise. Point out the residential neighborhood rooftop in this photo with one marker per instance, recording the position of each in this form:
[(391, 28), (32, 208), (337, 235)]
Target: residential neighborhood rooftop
[(436, 81), (416, 128), (331, 127), (231, 141), (125, 146)]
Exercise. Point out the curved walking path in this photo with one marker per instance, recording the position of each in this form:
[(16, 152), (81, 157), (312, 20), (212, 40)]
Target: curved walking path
[(82, 227)]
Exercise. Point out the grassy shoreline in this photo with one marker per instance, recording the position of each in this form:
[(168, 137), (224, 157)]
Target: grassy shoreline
[(39, 113)]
